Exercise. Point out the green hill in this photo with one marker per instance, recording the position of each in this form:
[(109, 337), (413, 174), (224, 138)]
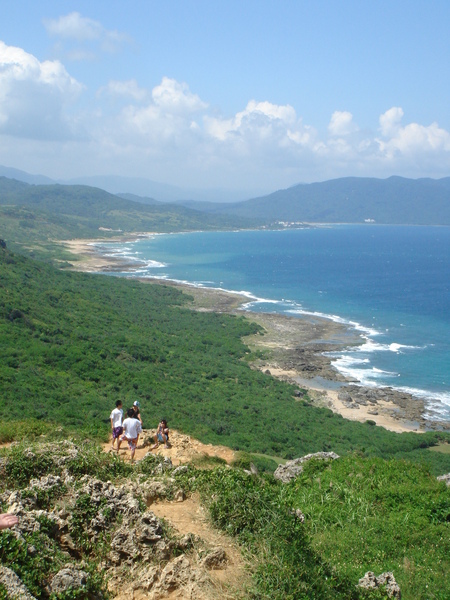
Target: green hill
[(77, 210), (395, 200)]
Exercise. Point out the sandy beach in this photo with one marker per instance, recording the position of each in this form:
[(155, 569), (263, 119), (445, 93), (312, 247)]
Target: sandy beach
[(293, 350)]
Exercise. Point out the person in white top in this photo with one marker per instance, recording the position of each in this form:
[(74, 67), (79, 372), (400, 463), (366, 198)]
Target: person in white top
[(131, 430), (116, 423)]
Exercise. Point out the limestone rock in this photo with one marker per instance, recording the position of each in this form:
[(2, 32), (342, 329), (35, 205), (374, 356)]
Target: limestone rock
[(14, 586), (179, 496), (387, 580), (216, 559), (445, 478), (293, 468), (68, 578)]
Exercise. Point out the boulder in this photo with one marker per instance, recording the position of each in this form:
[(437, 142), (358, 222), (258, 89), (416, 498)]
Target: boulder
[(386, 580), (293, 468), (216, 559), (68, 578)]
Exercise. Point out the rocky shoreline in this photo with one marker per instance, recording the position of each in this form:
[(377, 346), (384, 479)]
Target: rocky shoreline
[(295, 349)]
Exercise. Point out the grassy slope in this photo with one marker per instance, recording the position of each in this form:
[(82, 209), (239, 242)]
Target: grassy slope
[(72, 344), (361, 514)]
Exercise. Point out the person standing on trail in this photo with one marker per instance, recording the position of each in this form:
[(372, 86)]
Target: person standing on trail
[(137, 412), (131, 429), (116, 423)]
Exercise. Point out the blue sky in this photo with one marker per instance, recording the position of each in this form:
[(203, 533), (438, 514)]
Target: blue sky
[(251, 95)]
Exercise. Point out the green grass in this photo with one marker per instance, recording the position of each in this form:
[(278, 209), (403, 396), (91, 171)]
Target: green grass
[(361, 514), (444, 448)]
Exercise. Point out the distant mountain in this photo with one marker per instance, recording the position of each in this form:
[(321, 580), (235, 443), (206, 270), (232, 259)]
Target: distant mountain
[(162, 192), (140, 187), (395, 200), (83, 210), (24, 176), (141, 199)]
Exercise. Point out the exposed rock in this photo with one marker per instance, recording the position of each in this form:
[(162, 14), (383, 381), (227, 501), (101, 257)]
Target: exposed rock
[(68, 578), (180, 469), (176, 574), (14, 586), (154, 490), (131, 542), (299, 515), (293, 468), (216, 559), (445, 478), (253, 469), (386, 580), (179, 496), (46, 483)]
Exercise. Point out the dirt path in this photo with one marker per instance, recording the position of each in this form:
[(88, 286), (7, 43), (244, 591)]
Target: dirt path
[(228, 579), (183, 448), (190, 517)]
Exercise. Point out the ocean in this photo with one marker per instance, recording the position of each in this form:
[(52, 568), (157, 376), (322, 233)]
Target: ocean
[(390, 283)]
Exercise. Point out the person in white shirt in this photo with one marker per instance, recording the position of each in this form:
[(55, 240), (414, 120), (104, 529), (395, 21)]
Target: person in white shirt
[(131, 430), (116, 423)]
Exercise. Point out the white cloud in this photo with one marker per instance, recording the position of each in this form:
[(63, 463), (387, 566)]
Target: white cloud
[(341, 123), (170, 134), (390, 121), (417, 142), (176, 98), (75, 27), (125, 89), (33, 95)]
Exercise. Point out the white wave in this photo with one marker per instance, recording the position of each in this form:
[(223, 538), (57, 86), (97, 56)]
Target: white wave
[(337, 319)]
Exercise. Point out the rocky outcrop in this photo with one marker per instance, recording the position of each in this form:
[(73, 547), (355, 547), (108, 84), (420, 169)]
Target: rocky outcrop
[(68, 578), (385, 580), (14, 586), (293, 468), (445, 479)]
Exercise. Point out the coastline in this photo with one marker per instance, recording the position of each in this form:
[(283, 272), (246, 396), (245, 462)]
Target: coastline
[(293, 348)]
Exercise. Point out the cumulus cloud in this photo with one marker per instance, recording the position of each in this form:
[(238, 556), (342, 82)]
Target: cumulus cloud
[(75, 27), (169, 131), (390, 121), (341, 123), (33, 95), (413, 141), (174, 97)]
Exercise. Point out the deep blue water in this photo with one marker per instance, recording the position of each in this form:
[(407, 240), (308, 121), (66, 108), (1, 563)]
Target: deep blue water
[(391, 283)]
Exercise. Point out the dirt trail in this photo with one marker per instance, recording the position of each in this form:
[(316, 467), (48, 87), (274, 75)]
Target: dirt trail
[(183, 448), (189, 517)]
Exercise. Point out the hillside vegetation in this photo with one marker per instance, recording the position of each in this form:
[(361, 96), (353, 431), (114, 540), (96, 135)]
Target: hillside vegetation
[(73, 343), (39, 213)]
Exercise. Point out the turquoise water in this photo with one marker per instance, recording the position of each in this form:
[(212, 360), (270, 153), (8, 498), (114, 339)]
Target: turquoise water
[(392, 284)]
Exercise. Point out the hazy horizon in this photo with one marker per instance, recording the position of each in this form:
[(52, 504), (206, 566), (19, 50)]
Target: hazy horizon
[(246, 98)]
